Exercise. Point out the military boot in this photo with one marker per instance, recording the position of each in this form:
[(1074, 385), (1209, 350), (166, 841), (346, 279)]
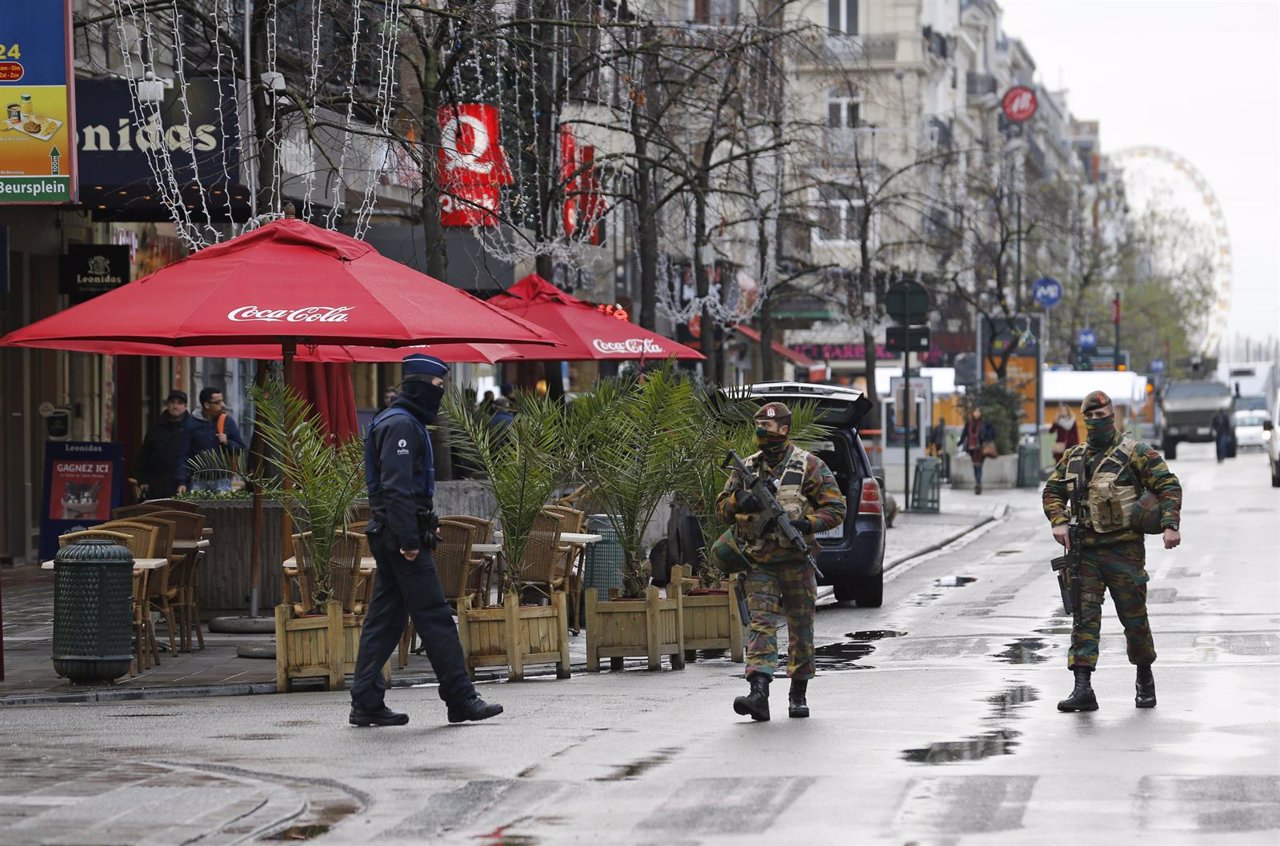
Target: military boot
[(1146, 687), (755, 703), (1081, 698), (796, 704), (473, 709)]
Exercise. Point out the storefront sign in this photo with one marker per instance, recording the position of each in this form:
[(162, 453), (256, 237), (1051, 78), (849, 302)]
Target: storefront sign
[(37, 124), (92, 269), (83, 481), (472, 165), (198, 137), (840, 352)]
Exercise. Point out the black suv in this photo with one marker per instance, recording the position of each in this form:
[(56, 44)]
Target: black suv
[(852, 559)]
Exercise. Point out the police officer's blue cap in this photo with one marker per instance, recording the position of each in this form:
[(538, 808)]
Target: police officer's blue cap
[(421, 365)]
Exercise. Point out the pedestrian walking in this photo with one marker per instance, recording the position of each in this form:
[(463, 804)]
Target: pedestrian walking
[(388, 397), (217, 431), (162, 462), (979, 440), (502, 417), (1065, 431), (1102, 479), (1221, 428), (400, 476), (780, 582)]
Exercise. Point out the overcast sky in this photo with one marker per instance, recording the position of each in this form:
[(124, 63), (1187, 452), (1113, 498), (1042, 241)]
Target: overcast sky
[(1200, 77)]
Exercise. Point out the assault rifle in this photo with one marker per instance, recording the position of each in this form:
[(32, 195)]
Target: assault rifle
[(1067, 566), (772, 513)]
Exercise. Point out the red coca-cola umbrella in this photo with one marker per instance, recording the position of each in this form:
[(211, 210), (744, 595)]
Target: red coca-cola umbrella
[(588, 332), (287, 283)]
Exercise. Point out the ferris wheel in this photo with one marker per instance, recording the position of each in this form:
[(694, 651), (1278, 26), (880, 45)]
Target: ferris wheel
[(1199, 194)]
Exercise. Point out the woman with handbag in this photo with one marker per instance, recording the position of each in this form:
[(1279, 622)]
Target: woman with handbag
[(979, 440), (1065, 431)]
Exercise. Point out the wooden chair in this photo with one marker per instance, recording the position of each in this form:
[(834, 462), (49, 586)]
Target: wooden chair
[(161, 588), (452, 556), (344, 566), (177, 585), (574, 558), (479, 577), (538, 567)]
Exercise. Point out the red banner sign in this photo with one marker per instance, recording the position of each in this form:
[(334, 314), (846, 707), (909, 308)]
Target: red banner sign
[(472, 165), (583, 205)]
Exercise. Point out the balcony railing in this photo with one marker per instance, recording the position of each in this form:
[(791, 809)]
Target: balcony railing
[(872, 48), (977, 84)]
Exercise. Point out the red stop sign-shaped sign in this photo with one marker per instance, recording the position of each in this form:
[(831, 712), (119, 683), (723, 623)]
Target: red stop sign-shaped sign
[(1019, 103)]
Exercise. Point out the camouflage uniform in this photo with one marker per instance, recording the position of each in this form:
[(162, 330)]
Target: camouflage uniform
[(779, 580), (1115, 560)]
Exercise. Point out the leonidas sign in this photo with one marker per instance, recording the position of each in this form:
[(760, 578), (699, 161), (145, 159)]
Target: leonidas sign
[(92, 269), (472, 165)]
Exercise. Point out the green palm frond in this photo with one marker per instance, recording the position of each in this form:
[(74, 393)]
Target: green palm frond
[(633, 439), (322, 481), (524, 464)]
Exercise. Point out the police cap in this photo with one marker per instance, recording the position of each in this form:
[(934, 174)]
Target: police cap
[(423, 366)]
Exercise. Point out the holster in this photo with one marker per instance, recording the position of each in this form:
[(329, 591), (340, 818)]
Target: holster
[(428, 522)]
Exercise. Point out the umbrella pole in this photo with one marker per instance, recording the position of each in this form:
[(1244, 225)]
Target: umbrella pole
[(289, 349), (258, 448)]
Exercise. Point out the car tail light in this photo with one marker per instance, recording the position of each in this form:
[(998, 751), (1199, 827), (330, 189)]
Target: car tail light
[(869, 502)]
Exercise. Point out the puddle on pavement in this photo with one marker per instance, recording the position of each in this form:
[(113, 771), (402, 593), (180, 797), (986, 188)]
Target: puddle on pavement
[(921, 599), (300, 832), (1054, 630), (838, 657), (1022, 651), (637, 768), (1001, 741)]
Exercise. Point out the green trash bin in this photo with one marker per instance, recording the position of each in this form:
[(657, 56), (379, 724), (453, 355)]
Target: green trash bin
[(92, 611), (926, 486), (605, 559), (1028, 465)]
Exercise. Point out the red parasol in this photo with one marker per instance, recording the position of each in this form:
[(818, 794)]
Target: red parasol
[(588, 333)]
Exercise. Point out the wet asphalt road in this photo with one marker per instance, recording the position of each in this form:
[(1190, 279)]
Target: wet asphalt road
[(934, 723)]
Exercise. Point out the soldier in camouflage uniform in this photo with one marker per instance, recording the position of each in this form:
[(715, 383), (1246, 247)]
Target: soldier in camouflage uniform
[(1113, 471), (779, 578)]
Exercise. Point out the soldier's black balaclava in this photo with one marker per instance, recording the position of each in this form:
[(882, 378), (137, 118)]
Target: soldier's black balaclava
[(417, 394), (1099, 431), (772, 444)]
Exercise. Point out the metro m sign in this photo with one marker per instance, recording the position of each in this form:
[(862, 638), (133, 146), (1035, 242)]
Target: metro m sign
[(472, 166)]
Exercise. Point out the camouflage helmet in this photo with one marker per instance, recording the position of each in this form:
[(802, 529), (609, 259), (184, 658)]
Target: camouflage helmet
[(774, 411), (1094, 401)]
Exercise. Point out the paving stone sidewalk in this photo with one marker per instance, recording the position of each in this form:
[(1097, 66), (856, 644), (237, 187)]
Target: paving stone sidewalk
[(217, 669)]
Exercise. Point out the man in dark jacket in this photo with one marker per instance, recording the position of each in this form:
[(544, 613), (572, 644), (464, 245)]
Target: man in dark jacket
[(162, 462), (399, 472), (1222, 430)]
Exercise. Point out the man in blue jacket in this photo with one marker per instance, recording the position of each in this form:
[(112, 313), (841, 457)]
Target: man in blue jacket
[(217, 431), (400, 473)]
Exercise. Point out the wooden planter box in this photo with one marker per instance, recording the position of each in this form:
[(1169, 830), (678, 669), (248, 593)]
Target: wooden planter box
[(324, 646), (650, 627), (222, 583), (711, 620), (515, 635)]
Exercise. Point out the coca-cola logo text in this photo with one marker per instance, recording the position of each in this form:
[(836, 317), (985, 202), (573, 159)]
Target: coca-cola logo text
[(631, 346), (308, 314)]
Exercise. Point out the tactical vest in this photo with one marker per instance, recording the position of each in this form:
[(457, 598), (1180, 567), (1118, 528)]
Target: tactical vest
[(790, 495), (1109, 503)]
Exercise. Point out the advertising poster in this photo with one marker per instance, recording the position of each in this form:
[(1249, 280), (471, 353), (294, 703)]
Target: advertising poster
[(83, 481), (37, 131)]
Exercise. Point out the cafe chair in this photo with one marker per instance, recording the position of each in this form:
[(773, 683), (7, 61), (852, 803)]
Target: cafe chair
[(479, 583), (539, 565)]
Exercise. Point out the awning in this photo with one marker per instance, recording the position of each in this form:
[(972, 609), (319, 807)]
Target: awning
[(787, 353)]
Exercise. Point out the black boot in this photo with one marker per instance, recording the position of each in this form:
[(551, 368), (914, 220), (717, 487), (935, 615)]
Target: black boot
[(1081, 698), (382, 716), (472, 710), (796, 704), (1146, 687), (755, 703)]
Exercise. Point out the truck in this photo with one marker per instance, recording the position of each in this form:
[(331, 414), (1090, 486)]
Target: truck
[(1252, 383), (1187, 410)]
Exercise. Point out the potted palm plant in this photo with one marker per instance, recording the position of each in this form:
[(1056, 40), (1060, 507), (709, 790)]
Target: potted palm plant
[(523, 464), (318, 484), (632, 440)]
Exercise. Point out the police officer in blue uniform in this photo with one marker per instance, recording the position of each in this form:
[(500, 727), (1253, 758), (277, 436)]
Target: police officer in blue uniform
[(400, 474)]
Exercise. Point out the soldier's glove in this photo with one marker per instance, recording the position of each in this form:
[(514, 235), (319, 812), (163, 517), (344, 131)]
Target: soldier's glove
[(802, 526), (746, 502)]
